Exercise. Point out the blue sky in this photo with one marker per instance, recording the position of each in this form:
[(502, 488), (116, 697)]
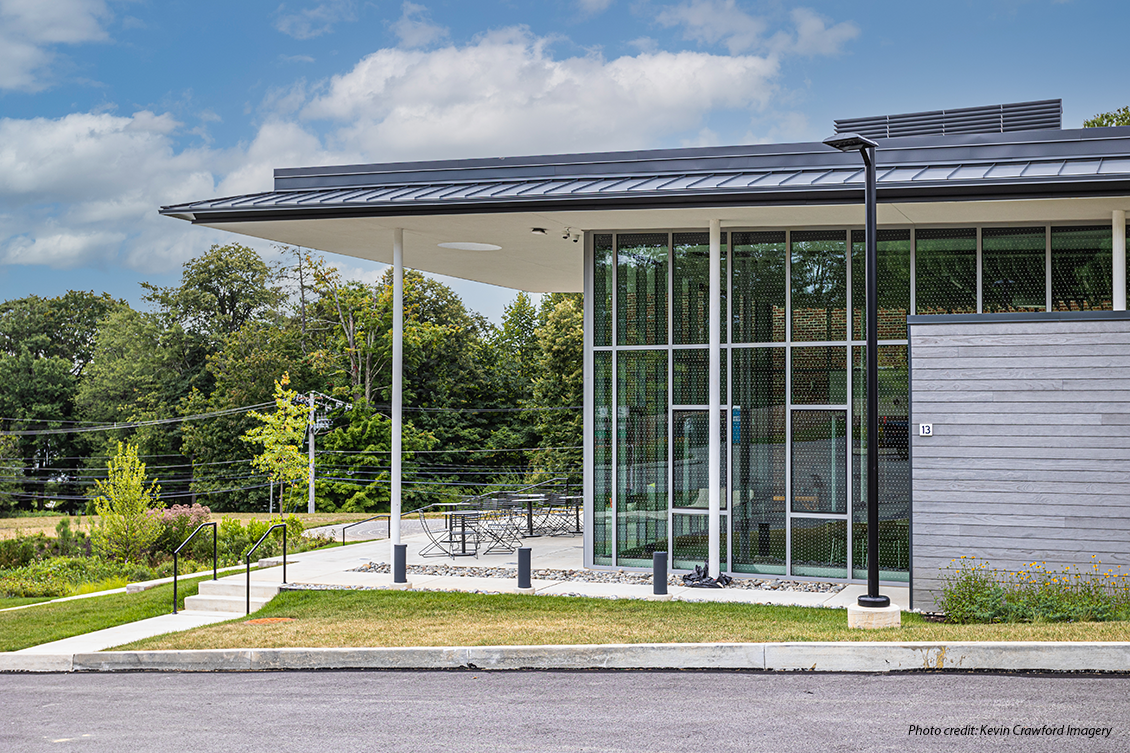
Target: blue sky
[(111, 108)]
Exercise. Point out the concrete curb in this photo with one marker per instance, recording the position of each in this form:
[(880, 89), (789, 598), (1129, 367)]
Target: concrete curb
[(869, 657)]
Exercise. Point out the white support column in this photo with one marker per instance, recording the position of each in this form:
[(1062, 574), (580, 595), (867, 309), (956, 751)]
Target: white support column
[(1118, 235), (310, 428), (397, 382), (715, 424)]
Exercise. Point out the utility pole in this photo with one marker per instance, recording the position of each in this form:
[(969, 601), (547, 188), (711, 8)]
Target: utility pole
[(314, 424), (310, 427)]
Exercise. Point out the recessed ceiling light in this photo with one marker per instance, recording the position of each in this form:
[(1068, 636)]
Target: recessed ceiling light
[(464, 246), (537, 230)]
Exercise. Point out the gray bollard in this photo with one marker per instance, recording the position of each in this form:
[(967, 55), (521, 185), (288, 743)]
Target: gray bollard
[(399, 563), (525, 583), (659, 573)]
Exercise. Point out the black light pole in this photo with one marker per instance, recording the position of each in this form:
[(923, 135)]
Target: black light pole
[(850, 142)]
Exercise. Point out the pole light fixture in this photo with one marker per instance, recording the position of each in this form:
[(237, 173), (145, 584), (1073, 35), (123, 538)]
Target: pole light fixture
[(852, 142)]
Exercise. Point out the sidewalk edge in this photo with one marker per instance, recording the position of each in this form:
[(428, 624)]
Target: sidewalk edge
[(866, 657)]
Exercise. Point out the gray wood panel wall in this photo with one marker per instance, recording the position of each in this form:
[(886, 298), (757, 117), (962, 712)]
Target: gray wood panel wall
[(1030, 457)]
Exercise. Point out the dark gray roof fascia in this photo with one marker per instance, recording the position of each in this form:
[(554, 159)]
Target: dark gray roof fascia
[(1030, 164), (965, 148)]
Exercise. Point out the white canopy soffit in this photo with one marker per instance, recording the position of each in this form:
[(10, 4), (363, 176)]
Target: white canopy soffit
[(1036, 176)]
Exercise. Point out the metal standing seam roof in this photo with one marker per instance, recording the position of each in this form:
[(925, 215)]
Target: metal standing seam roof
[(1048, 163)]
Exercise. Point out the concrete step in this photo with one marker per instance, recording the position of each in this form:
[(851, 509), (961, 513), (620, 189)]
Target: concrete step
[(274, 562), (259, 590), (234, 605)]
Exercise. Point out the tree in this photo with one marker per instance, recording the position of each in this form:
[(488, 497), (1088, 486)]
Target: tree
[(132, 377), (46, 345), (559, 388), (62, 327), (37, 394), (281, 435), (11, 474), (353, 472), (1119, 117), (358, 331), (125, 529), (243, 374), (220, 291), (517, 344), (509, 364)]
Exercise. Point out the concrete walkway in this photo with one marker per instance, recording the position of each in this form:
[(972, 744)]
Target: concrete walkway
[(334, 566), (128, 633)]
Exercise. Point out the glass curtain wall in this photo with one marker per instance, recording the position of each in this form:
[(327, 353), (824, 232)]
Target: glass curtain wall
[(794, 444), (1013, 262), (1081, 268), (893, 257)]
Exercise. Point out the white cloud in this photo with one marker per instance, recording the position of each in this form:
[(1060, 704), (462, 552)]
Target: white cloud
[(60, 249), (714, 21), (29, 30), (644, 44), (84, 189), (815, 37), (279, 143), (315, 21), (786, 127), (507, 94), (592, 7), (414, 28), (724, 22)]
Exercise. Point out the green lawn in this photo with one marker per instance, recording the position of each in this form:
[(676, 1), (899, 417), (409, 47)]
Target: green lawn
[(22, 628), (19, 601), (396, 618)]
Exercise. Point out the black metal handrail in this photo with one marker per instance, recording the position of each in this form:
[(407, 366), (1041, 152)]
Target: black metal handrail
[(366, 520), (252, 551), (183, 544)]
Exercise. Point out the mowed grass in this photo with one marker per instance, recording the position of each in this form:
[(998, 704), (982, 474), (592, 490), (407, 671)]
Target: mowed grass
[(397, 618), (22, 628), (7, 602)]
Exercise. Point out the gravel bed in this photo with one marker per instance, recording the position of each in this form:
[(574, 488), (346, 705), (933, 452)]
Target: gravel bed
[(599, 576)]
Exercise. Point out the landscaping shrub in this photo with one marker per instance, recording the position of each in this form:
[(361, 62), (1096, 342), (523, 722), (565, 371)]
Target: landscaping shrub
[(55, 576), (232, 541), (17, 583), (177, 523), (972, 592), (21, 550), (235, 539), (65, 544), (28, 569)]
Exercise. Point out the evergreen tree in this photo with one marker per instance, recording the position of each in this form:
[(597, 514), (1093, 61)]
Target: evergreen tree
[(559, 389)]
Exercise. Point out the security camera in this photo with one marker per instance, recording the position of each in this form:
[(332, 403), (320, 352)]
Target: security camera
[(576, 238), (565, 236)]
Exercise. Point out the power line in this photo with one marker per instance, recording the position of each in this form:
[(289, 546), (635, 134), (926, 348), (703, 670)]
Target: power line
[(485, 410), (86, 471), (133, 424), (481, 452), (160, 496)]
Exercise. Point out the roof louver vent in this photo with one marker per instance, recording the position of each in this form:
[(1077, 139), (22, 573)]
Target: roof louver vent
[(1018, 116)]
